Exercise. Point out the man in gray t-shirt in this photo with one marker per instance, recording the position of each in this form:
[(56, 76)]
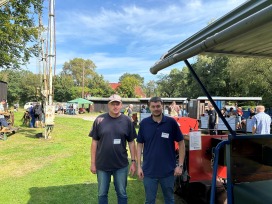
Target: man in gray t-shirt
[(110, 134)]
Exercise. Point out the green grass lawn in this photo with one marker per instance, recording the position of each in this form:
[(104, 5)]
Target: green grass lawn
[(54, 171)]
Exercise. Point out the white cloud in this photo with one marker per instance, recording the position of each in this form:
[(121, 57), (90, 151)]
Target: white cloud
[(132, 37)]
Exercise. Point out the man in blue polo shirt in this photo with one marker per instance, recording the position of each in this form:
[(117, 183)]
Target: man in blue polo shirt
[(156, 138)]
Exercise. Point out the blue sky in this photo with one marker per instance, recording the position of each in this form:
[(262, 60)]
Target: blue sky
[(122, 36)]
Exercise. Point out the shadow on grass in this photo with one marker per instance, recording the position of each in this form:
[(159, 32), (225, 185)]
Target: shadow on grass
[(80, 194), (87, 193), (68, 194), (30, 132)]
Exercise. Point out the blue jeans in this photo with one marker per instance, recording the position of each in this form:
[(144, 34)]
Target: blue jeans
[(120, 184), (3, 122), (151, 188)]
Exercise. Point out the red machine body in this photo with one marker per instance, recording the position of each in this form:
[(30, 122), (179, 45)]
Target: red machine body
[(199, 161)]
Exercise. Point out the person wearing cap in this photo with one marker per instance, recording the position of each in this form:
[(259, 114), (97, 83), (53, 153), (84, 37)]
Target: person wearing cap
[(3, 121), (156, 139), (110, 133)]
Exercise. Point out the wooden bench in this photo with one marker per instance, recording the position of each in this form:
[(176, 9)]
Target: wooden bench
[(4, 132)]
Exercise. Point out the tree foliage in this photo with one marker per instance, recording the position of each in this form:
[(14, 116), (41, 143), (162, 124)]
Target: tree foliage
[(140, 80), (129, 82), (18, 33), (80, 70), (99, 87), (23, 86), (221, 76), (151, 88), (173, 84)]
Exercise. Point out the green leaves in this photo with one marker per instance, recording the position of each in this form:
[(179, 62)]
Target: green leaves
[(18, 34)]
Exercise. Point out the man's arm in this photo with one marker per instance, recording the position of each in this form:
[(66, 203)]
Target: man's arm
[(253, 129), (139, 163), (179, 168), (132, 154), (93, 155), (181, 151)]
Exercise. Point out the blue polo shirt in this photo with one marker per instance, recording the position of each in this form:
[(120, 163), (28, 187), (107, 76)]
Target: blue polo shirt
[(159, 158)]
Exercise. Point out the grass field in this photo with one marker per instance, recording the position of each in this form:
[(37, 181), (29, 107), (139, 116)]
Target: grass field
[(54, 171)]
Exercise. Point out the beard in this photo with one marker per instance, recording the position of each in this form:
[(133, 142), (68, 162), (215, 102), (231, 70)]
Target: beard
[(158, 114)]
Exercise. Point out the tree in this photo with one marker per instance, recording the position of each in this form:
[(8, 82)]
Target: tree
[(252, 77), (23, 86), (99, 87), (18, 41), (136, 76), (79, 69), (151, 88), (213, 73), (173, 84), (63, 88), (127, 87)]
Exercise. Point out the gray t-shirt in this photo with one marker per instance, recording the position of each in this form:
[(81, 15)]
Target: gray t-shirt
[(112, 135)]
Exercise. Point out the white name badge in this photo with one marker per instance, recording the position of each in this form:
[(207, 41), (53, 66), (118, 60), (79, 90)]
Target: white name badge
[(117, 141), (165, 135)]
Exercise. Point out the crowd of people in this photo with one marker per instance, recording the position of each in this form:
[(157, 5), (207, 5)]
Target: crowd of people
[(34, 116), (154, 159), (257, 115)]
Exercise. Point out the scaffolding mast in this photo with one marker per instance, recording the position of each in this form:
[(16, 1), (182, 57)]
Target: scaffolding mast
[(49, 108)]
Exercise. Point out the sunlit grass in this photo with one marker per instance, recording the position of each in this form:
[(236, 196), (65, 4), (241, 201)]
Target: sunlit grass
[(55, 171)]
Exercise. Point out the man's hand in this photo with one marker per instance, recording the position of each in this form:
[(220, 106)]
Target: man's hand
[(140, 173), (178, 171), (132, 168), (93, 168)]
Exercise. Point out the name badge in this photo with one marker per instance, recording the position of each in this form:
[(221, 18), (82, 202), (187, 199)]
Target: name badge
[(117, 141), (165, 135)]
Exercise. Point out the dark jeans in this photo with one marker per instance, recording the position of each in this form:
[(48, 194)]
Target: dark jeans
[(212, 128), (120, 183), (151, 187)]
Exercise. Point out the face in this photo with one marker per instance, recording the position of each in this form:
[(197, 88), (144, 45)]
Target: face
[(155, 108), (114, 107)]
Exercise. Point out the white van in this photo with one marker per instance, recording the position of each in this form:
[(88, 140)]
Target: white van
[(29, 104)]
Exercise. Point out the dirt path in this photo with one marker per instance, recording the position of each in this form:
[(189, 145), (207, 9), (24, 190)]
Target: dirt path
[(90, 117)]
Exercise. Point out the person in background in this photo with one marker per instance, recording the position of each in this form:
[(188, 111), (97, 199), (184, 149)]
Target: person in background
[(251, 113), (110, 134), (224, 111), (156, 139), (3, 121), (239, 114), (143, 110), (231, 112), (174, 109), (212, 119), (32, 116), (38, 112), (130, 112), (261, 121)]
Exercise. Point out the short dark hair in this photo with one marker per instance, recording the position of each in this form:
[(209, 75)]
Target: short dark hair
[(155, 99)]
